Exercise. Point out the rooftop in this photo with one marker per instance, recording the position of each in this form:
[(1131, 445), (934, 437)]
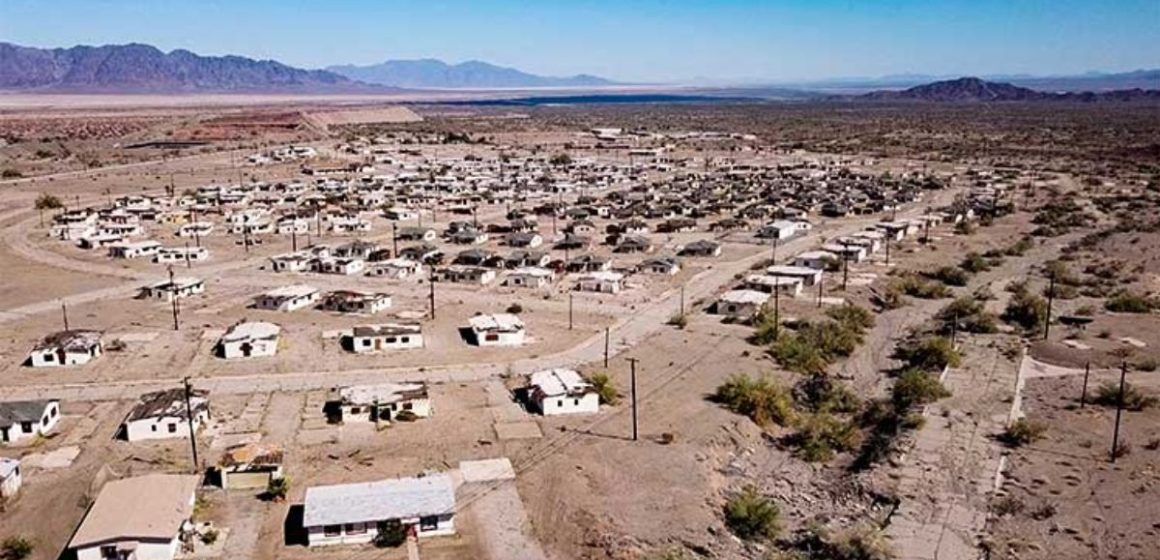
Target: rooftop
[(145, 507), (381, 500)]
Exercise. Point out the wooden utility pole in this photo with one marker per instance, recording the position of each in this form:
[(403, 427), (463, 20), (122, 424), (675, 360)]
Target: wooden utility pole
[(1087, 370), (845, 264), (888, 250), (776, 310), (1050, 301), (821, 280), (394, 240), (196, 230), (188, 263), (569, 310), (773, 251), (246, 238), (431, 283), (173, 298), (682, 300), (189, 420), (607, 336), (64, 313), (632, 363), (1119, 410)]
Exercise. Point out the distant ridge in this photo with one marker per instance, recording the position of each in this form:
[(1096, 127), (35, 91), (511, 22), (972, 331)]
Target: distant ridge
[(138, 68), (431, 73), (979, 90)]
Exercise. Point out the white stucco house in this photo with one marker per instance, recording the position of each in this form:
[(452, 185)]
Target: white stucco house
[(66, 348), (139, 518), (380, 402), (288, 298), (500, 329), (352, 513), (163, 415), (23, 420), (250, 339), (562, 391)]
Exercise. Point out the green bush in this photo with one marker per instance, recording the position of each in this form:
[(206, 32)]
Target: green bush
[(914, 285), (277, 488), (1026, 310), (852, 317), (1108, 394), (917, 387), (761, 400), (821, 435), (796, 354), (752, 516), (16, 548), (820, 393), (951, 276), (928, 354), (602, 383), (390, 534), (1022, 432), (971, 314), (975, 263), (1127, 302)]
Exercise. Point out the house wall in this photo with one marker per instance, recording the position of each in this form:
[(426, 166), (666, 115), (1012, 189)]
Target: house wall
[(48, 420), (146, 550), (589, 403), (366, 344), (316, 536), (499, 338), (261, 349), (158, 428), (42, 359)]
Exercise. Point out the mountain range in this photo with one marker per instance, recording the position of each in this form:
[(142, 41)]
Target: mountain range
[(137, 68), (979, 90), (436, 74)]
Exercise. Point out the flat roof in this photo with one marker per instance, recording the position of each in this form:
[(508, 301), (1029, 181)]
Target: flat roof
[(149, 507), (381, 500)]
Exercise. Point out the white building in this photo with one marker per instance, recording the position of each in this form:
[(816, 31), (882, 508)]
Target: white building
[(740, 304), (20, 420), (287, 298), (601, 282), (134, 250), (530, 277), (351, 513), (378, 403), (181, 255), (562, 391), (195, 229), (354, 301), (179, 288), (66, 348), (500, 329), (345, 267), (768, 284), (398, 268), (254, 339), (163, 415), (377, 338), (10, 478), (808, 276), (291, 262), (815, 259), (140, 518)]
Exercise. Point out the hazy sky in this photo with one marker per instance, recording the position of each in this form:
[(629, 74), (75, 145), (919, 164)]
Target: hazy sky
[(634, 40)]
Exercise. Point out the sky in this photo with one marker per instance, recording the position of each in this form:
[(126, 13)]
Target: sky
[(629, 40)]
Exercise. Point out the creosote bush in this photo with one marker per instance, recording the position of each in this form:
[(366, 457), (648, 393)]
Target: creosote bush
[(1108, 394), (602, 383), (762, 400), (1023, 432), (752, 516), (929, 354)]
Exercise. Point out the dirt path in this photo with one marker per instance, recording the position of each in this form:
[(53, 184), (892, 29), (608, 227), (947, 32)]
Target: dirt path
[(502, 524), (948, 478)]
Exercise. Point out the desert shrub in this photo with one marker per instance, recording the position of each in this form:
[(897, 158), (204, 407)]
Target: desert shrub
[(964, 227), (277, 488), (1127, 302), (821, 435), (917, 286), (761, 400), (821, 393), (765, 330), (796, 354), (852, 317), (1046, 510), (209, 537), (515, 309), (752, 516), (1007, 505), (406, 416), (16, 548), (863, 542), (1020, 247), (10, 174), (1026, 310), (917, 387), (951, 276), (390, 534), (1022, 432), (971, 315), (602, 383), (975, 263), (928, 354), (1108, 394), (679, 320)]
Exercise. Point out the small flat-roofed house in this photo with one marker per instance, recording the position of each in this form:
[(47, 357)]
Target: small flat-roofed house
[(134, 249), (768, 283), (871, 240), (661, 265), (465, 274), (179, 288), (417, 234), (335, 265), (195, 229), (701, 248), (521, 259), (352, 513), (357, 249), (530, 277), (633, 244), (853, 251), (250, 465), (164, 415), (500, 329), (249, 339), (21, 420), (181, 255), (740, 304), (353, 301), (604, 282), (527, 240), (139, 518), (808, 276), (400, 214), (287, 298), (896, 231), (562, 391), (779, 229), (378, 403), (66, 348), (468, 236), (291, 262), (423, 252), (816, 259), (398, 268), (392, 336), (589, 263), (10, 478)]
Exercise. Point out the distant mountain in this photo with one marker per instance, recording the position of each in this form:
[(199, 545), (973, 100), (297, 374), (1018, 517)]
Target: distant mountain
[(137, 68), (978, 90), (431, 73)]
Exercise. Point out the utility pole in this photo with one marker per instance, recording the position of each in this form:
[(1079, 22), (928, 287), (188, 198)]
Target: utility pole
[(845, 264), (773, 252), (1087, 370), (607, 336), (431, 283), (394, 240), (955, 329), (188, 263), (1050, 301), (569, 310), (821, 280), (64, 313), (246, 238), (888, 250), (777, 309), (632, 363), (196, 230), (682, 300), (189, 420), (1119, 410), (173, 298)]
